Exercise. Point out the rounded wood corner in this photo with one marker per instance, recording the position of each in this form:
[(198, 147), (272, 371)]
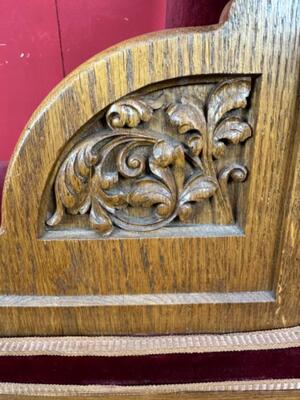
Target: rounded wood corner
[(97, 83)]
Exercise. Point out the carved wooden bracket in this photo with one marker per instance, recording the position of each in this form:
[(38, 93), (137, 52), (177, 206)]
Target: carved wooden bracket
[(137, 179)]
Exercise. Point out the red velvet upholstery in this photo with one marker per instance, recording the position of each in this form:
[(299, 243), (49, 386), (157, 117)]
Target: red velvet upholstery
[(193, 12), (153, 369)]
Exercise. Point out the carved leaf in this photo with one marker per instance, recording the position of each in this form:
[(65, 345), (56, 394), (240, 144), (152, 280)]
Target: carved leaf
[(149, 192), (73, 182), (131, 112), (198, 188), (231, 129), (188, 115), (227, 96), (166, 176), (99, 219)]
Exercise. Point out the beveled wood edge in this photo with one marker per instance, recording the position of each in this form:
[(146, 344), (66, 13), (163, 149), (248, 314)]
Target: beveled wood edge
[(137, 299), (113, 346), (101, 390)]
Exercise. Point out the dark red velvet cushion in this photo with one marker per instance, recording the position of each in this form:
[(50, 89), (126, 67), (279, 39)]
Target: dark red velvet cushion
[(182, 13), (153, 369)]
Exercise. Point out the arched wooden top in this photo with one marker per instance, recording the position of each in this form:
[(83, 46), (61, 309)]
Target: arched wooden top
[(224, 133), (111, 75)]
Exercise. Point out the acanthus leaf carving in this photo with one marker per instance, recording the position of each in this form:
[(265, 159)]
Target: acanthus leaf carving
[(148, 192), (229, 95), (114, 175), (72, 184), (198, 188), (131, 112), (232, 130)]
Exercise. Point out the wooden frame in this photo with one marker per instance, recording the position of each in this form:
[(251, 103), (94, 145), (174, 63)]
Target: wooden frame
[(68, 280), (183, 146)]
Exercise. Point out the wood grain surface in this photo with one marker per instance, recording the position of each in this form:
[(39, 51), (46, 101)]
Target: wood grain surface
[(260, 40)]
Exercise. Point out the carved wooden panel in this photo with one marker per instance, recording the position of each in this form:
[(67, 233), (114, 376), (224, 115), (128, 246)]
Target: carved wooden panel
[(169, 158), (156, 190)]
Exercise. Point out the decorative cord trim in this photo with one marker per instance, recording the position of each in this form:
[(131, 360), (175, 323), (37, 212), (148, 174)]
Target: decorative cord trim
[(80, 390), (111, 346)]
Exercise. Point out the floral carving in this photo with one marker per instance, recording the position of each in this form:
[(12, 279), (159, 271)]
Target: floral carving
[(138, 179), (131, 112)]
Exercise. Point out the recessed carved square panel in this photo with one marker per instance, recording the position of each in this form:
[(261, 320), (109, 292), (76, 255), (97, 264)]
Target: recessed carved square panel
[(171, 157)]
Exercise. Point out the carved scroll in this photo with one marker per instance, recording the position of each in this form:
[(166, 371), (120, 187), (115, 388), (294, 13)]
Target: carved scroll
[(129, 167)]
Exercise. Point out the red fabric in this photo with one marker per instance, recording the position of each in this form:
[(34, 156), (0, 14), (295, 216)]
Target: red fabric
[(30, 63), (42, 40), (153, 369), (90, 26), (3, 168), (193, 12)]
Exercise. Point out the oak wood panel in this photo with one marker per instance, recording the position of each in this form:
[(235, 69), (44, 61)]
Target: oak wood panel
[(260, 40), (291, 395)]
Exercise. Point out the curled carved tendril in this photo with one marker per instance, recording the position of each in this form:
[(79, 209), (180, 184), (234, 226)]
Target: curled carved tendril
[(236, 172), (132, 165)]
